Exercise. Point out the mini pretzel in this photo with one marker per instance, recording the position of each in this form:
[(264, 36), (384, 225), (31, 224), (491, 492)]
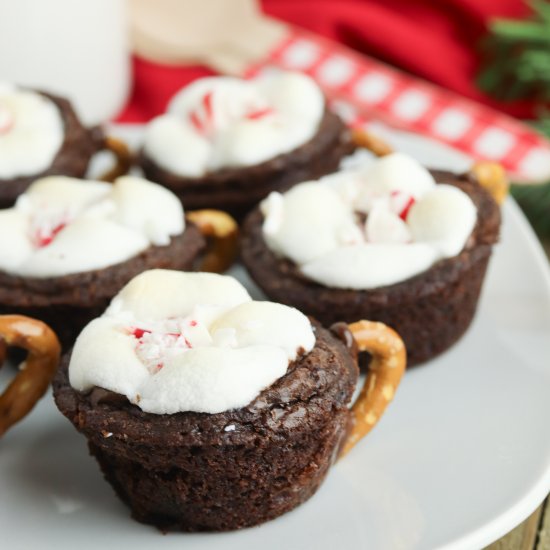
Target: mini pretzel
[(123, 158), (492, 176), (38, 369), (385, 371), (223, 231), (373, 143)]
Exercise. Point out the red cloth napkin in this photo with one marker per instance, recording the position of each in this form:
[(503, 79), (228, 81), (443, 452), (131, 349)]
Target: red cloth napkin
[(434, 39)]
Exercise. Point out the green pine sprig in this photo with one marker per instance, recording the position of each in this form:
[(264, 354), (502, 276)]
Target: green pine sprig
[(517, 66), (534, 200), (517, 57)]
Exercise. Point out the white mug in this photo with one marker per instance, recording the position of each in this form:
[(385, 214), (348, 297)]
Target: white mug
[(75, 48)]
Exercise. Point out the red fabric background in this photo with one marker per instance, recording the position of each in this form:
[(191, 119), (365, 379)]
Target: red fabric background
[(434, 39)]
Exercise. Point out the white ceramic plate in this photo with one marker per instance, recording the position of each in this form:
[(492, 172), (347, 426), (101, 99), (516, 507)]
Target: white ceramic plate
[(461, 457)]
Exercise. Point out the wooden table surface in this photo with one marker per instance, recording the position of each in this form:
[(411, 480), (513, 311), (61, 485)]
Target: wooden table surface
[(534, 532)]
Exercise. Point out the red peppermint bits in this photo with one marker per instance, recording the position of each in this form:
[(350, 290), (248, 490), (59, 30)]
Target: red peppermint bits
[(196, 121), (402, 203), (207, 105), (193, 323), (44, 237), (405, 212), (202, 118), (153, 346), (139, 332), (259, 113), (7, 120), (177, 335)]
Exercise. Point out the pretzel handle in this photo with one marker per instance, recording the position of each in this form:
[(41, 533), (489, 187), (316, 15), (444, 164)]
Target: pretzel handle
[(385, 371), (491, 176), (37, 370), (223, 233), (366, 140), (122, 156)]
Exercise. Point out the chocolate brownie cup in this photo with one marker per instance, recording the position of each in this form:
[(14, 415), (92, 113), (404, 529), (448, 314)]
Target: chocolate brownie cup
[(70, 245), (390, 242), (226, 143), (209, 411), (41, 135)]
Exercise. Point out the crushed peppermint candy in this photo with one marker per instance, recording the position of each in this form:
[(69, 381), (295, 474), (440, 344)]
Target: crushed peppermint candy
[(165, 339), (158, 341), (45, 236), (259, 113), (381, 218), (386, 226), (7, 120), (139, 332), (153, 347), (401, 203), (45, 227), (203, 118)]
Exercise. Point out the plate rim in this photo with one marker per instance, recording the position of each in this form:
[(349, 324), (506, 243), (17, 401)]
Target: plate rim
[(533, 497)]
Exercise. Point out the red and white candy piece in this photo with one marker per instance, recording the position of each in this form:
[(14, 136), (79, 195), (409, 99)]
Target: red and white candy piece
[(257, 114), (44, 228), (141, 335), (204, 119), (7, 119), (152, 347), (173, 336), (45, 235), (401, 203), (385, 226)]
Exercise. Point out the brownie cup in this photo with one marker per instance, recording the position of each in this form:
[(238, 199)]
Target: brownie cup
[(74, 244), (61, 145), (188, 454), (430, 303), (224, 126)]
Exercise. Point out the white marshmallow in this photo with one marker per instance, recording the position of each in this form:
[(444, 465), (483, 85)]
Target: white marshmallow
[(64, 225), (310, 213), (293, 106), (315, 224), (31, 132), (161, 294), (155, 346), (370, 265), (444, 217)]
